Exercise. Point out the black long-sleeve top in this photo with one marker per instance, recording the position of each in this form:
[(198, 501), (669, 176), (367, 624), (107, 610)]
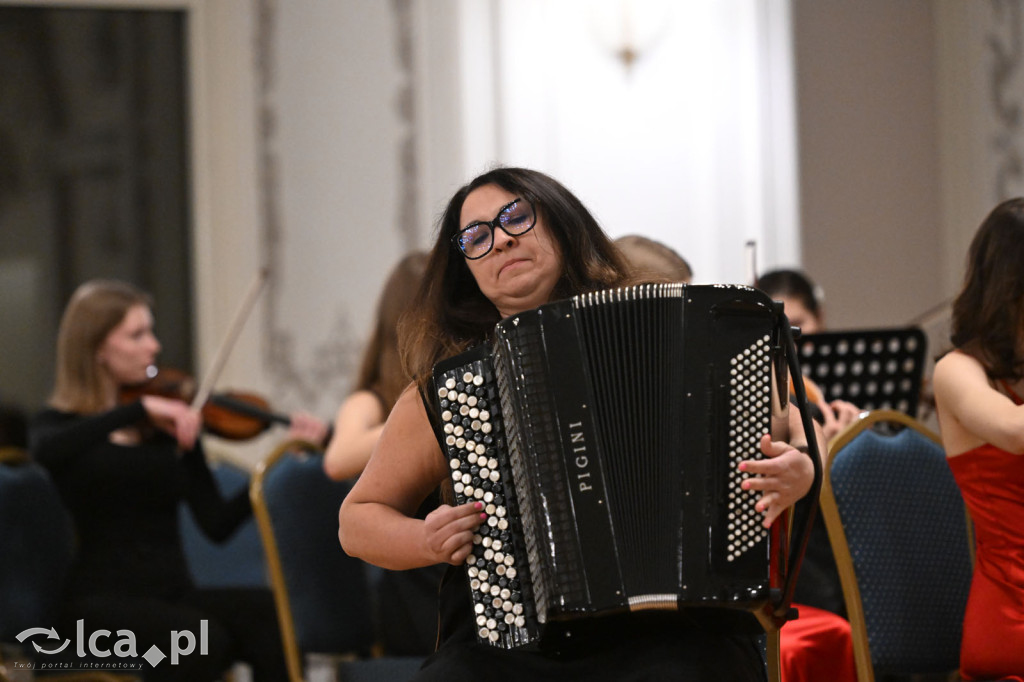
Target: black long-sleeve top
[(124, 501)]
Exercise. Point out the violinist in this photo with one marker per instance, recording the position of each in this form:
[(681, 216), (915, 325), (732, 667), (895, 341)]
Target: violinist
[(122, 470)]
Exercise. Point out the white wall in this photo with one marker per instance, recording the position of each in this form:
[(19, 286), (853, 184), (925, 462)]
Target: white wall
[(692, 144)]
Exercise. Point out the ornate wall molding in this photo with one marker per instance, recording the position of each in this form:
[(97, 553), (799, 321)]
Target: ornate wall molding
[(1004, 44), (335, 358)]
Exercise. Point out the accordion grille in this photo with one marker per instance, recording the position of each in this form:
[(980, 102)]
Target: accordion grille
[(635, 361)]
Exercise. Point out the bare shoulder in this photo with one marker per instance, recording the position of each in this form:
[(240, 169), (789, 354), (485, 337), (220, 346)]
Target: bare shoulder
[(363, 403), (955, 367)]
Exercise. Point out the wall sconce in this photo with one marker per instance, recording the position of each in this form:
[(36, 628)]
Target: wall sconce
[(629, 29)]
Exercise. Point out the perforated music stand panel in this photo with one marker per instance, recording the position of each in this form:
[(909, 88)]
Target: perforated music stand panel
[(871, 368)]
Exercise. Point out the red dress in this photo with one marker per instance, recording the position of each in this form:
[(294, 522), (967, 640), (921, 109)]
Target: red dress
[(992, 483), (816, 646)]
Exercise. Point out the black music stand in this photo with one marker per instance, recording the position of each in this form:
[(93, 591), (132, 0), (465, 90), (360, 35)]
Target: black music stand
[(871, 368)]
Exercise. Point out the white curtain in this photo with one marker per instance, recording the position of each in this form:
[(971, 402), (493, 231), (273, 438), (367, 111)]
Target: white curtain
[(692, 143)]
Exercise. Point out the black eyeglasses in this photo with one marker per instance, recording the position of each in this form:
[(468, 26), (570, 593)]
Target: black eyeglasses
[(477, 239)]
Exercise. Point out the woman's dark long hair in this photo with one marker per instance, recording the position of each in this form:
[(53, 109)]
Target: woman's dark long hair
[(791, 284), (988, 314), (451, 313)]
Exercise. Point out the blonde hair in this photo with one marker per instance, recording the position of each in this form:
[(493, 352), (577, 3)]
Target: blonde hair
[(96, 308), (653, 259)]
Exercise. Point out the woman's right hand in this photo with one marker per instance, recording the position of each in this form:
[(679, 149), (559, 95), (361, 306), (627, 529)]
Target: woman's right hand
[(175, 418), (449, 531)]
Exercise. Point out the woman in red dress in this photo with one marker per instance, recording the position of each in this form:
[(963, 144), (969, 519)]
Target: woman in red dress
[(978, 388)]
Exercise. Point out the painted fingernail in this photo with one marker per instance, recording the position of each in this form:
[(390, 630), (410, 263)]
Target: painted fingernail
[(478, 505), (483, 516), (743, 466)]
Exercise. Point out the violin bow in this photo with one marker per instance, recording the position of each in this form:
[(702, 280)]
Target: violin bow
[(241, 315)]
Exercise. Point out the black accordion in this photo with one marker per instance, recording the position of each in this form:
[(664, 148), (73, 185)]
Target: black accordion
[(603, 435)]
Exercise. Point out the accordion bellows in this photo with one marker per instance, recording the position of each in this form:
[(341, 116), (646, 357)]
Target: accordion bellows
[(603, 434)]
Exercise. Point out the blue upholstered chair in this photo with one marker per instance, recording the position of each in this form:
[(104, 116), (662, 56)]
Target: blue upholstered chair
[(36, 546), (36, 552), (902, 541), (238, 561), (322, 594)]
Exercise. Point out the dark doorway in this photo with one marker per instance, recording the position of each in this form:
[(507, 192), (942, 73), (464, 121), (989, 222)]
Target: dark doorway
[(94, 177)]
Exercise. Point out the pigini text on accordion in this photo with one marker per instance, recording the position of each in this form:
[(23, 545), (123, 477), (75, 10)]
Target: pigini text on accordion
[(602, 434)]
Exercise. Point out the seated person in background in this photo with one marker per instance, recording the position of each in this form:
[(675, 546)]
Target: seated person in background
[(381, 379), (819, 584), (979, 396), (650, 257), (802, 302), (405, 602), (511, 240), (122, 470)]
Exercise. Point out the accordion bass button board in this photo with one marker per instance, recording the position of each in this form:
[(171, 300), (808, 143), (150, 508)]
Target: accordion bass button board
[(603, 435)]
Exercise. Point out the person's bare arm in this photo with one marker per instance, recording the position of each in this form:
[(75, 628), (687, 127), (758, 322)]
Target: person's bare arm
[(376, 522), (358, 425), (971, 411)]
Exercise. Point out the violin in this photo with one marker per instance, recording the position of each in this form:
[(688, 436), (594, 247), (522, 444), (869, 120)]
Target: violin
[(234, 415)]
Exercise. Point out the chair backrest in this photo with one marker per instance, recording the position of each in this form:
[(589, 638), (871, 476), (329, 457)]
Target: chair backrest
[(874, 369), (36, 546), (901, 537), (239, 561), (322, 594)]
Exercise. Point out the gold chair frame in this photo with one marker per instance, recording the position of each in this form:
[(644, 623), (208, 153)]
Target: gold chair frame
[(837, 534)]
